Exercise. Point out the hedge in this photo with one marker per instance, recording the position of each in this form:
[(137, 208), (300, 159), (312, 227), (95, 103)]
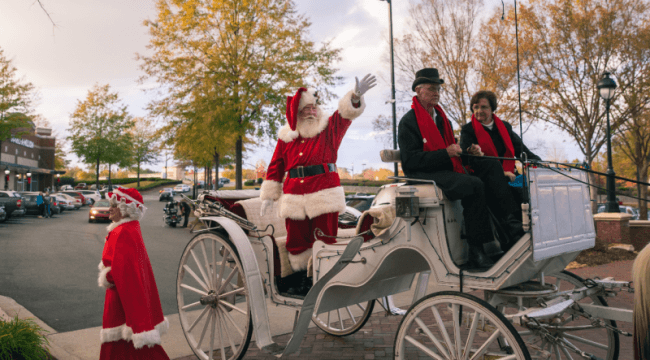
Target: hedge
[(356, 182), (158, 183), (118, 181)]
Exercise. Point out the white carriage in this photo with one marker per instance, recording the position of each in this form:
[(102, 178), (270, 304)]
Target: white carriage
[(530, 307)]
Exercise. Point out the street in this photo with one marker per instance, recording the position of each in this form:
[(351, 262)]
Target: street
[(50, 265)]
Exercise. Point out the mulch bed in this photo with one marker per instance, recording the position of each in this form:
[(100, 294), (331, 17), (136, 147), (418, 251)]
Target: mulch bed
[(594, 257)]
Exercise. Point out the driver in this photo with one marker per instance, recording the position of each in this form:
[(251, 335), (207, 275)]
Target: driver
[(429, 151), (311, 196)]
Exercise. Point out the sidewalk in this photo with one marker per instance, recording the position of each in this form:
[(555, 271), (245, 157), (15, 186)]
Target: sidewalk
[(374, 341)]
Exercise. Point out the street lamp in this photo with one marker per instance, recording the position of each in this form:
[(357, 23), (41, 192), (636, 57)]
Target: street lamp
[(29, 181), (7, 172), (606, 87), (392, 77), (58, 181)]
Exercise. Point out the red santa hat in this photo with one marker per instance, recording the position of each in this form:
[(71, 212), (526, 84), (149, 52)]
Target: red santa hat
[(297, 102), (132, 200)]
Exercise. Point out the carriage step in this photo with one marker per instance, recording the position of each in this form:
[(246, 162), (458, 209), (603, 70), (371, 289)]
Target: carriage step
[(273, 349), (551, 311), (610, 283)]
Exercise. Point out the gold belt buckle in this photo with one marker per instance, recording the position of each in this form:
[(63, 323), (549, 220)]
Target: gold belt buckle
[(301, 171)]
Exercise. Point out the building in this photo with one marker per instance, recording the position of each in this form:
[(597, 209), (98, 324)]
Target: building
[(30, 156)]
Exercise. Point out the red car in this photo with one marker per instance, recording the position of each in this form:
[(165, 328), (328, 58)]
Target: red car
[(99, 211)]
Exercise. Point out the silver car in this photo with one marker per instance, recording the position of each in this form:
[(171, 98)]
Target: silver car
[(64, 203)]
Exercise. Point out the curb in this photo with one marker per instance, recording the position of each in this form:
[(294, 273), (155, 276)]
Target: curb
[(9, 309)]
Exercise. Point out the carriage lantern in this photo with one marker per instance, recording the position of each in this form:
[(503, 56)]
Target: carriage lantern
[(406, 203)]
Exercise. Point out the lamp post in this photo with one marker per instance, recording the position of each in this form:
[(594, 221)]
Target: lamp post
[(58, 181), (29, 181), (7, 172), (606, 87), (392, 77)]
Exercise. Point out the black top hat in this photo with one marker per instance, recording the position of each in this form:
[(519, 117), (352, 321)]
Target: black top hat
[(427, 76)]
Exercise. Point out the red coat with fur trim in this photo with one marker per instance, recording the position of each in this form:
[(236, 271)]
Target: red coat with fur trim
[(132, 310), (310, 144)]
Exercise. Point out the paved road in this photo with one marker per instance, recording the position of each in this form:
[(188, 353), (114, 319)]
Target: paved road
[(50, 265)]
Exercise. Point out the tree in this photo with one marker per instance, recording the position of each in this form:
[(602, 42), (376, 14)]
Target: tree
[(144, 143), (98, 128), (15, 99), (245, 56)]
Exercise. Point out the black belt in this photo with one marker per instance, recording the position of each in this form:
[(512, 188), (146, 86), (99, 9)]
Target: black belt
[(304, 171)]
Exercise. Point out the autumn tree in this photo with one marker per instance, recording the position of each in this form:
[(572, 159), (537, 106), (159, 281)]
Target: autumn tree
[(16, 99), (144, 143), (247, 55), (98, 129)]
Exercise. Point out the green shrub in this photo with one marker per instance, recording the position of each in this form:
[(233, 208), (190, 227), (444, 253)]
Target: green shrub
[(259, 181), (120, 181), (158, 183), (249, 182), (66, 180), (22, 339)]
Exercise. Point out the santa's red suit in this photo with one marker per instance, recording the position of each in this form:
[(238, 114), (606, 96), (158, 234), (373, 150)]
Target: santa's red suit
[(309, 202), (133, 321)]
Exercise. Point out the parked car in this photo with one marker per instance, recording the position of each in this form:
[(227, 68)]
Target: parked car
[(355, 205), (64, 203), (75, 201), (224, 181), (91, 196), (622, 208), (99, 211), (66, 188), (81, 186), (30, 204), (179, 188), (11, 203), (166, 189), (166, 195), (77, 196), (3, 214)]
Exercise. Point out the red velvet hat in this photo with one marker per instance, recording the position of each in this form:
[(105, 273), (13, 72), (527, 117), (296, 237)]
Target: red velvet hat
[(295, 103), (129, 196)]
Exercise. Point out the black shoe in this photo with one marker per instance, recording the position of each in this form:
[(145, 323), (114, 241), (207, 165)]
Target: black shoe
[(480, 259), (514, 228)]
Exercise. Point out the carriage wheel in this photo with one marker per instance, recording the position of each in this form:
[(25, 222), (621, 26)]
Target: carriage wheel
[(590, 339), (346, 320), (212, 296), (450, 325)]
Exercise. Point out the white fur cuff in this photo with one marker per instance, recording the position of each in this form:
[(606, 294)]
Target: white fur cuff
[(347, 111), (123, 332), (297, 207), (299, 262), (271, 190), (103, 271)]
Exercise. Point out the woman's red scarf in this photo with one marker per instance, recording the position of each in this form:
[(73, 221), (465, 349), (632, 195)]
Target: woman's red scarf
[(430, 134), (487, 146)]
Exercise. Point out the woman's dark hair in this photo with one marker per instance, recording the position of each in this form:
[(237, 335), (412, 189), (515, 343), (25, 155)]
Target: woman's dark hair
[(484, 94)]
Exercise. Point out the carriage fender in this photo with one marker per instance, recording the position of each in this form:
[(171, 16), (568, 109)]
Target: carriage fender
[(248, 260)]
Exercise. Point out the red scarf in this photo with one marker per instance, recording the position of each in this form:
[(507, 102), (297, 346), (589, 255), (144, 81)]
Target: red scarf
[(487, 146), (431, 135)]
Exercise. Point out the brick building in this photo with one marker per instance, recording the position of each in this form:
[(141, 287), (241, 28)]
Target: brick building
[(28, 156)]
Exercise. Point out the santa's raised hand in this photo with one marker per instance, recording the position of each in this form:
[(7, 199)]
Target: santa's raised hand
[(368, 82)]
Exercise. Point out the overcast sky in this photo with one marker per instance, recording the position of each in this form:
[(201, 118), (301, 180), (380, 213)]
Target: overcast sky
[(96, 42)]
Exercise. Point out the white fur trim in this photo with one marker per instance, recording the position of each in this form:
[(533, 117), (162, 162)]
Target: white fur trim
[(103, 271), (299, 262), (310, 128), (112, 226), (347, 111), (123, 332), (271, 190), (297, 207), (118, 192), (287, 135), (307, 98)]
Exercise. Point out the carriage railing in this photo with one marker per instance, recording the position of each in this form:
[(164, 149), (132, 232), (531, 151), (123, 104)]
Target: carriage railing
[(204, 207)]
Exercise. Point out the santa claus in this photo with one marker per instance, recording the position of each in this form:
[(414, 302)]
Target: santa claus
[(311, 196), (133, 320)]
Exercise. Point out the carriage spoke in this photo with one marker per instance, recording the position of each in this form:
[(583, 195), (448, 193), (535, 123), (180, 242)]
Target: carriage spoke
[(199, 318), (455, 309), (340, 318), (470, 337), (218, 323), (213, 264), (222, 321), (189, 271), (205, 327), (234, 292), (487, 343), (207, 263), (565, 352), (206, 279), (191, 305), (185, 286), (435, 341), (221, 270), (223, 283), (585, 341), (233, 307), (232, 321), (351, 316), (443, 329), (361, 307), (556, 349), (328, 318), (423, 348), (213, 321)]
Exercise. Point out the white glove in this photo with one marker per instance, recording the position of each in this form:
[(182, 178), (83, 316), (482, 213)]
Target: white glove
[(266, 204), (368, 82)]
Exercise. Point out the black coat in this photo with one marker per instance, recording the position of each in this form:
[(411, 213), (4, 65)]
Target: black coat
[(468, 137)]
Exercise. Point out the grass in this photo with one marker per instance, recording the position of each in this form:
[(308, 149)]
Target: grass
[(22, 339)]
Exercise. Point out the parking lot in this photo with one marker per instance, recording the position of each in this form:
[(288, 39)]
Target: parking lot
[(50, 265)]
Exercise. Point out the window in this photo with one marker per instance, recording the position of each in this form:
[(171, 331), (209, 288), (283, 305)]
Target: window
[(16, 151), (25, 153), (32, 155), (6, 148), (39, 157)]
